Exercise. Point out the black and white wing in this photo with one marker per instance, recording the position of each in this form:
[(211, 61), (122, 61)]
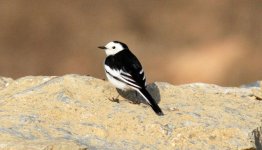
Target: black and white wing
[(126, 68)]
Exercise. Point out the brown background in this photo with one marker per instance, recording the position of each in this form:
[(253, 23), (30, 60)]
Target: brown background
[(217, 41)]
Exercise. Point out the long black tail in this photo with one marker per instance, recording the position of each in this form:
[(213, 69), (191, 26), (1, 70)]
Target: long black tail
[(151, 101)]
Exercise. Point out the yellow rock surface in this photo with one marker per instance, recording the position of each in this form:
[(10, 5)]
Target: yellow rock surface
[(74, 112)]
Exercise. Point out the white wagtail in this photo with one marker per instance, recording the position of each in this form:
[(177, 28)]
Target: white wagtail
[(125, 72)]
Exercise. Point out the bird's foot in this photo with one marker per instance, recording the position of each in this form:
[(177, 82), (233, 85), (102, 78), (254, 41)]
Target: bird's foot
[(114, 100)]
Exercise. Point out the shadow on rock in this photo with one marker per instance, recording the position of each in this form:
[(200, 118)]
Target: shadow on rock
[(258, 138), (135, 97)]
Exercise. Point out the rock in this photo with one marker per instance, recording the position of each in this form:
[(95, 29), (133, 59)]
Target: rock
[(74, 112)]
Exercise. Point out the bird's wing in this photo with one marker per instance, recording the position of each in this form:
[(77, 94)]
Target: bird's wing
[(132, 70), (125, 67), (122, 77)]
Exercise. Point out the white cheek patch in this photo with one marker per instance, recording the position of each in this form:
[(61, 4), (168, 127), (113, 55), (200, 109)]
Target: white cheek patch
[(113, 48), (111, 51)]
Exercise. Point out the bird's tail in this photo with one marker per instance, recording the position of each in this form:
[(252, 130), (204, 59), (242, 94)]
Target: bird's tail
[(151, 101)]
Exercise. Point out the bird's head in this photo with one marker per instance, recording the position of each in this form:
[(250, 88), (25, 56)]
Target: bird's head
[(114, 47)]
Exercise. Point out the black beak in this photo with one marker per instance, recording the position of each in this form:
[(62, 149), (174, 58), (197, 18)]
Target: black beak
[(102, 47)]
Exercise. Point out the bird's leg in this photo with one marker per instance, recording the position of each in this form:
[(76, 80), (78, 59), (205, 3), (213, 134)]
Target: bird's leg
[(113, 99)]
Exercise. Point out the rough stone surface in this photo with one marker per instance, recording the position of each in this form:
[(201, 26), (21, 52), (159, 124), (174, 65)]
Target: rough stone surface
[(74, 112)]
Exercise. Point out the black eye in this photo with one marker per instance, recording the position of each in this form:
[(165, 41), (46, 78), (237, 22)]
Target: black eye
[(113, 47)]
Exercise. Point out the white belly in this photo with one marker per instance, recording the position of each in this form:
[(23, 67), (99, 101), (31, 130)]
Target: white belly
[(116, 83)]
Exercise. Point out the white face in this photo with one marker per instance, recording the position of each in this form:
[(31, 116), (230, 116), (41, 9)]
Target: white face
[(112, 48)]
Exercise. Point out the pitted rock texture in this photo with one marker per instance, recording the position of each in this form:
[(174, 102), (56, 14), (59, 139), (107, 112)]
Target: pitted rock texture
[(74, 112)]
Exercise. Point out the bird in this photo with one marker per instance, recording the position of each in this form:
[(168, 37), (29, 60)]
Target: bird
[(125, 72)]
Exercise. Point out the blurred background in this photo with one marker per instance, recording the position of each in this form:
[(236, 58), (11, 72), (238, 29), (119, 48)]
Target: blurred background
[(217, 41)]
